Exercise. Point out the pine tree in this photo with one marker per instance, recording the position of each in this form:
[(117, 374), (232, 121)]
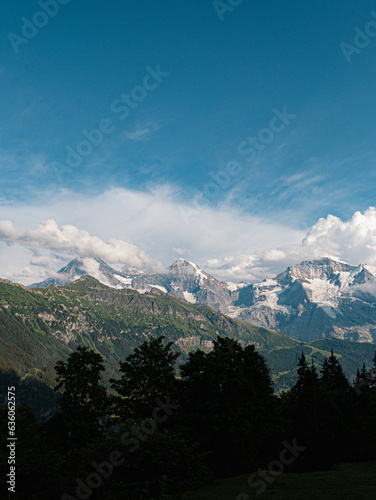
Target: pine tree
[(307, 378), (365, 378), (373, 373), (313, 378), (302, 373), (332, 375)]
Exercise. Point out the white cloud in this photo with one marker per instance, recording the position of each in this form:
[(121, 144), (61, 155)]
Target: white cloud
[(180, 251), (25, 162), (365, 291), (138, 134), (91, 266), (41, 261), (353, 240)]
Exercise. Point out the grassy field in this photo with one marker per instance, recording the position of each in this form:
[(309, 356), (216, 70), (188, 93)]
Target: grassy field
[(343, 482)]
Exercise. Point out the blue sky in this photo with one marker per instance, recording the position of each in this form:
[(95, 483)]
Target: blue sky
[(222, 81)]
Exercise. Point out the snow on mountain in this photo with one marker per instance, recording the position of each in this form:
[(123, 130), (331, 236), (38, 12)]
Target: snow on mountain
[(185, 280), (125, 281), (235, 286), (161, 288), (189, 297)]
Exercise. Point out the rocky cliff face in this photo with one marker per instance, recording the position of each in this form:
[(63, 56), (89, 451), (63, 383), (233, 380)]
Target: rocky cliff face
[(185, 280)]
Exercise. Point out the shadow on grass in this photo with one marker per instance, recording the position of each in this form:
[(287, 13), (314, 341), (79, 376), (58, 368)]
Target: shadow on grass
[(344, 482)]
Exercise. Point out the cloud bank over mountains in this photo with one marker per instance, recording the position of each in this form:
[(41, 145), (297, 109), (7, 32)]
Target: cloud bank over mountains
[(146, 230), (69, 239), (353, 241)]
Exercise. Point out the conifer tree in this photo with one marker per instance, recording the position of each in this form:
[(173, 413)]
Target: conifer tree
[(307, 378), (332, 375), (302, 373), (365, 378)]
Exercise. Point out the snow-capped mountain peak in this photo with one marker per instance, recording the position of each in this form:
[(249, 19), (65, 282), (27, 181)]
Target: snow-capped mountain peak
[(324, 268), (185, 267), (94, 266)]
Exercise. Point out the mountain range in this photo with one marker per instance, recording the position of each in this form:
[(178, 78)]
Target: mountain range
[(314, 299)]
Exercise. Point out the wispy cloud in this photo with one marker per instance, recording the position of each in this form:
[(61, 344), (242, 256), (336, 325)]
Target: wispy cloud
[(142, 133), (300, 184), (28, 163)]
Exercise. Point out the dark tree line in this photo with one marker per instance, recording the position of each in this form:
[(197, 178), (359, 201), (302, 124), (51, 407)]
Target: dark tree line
[(335, 420), (155, 434)]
